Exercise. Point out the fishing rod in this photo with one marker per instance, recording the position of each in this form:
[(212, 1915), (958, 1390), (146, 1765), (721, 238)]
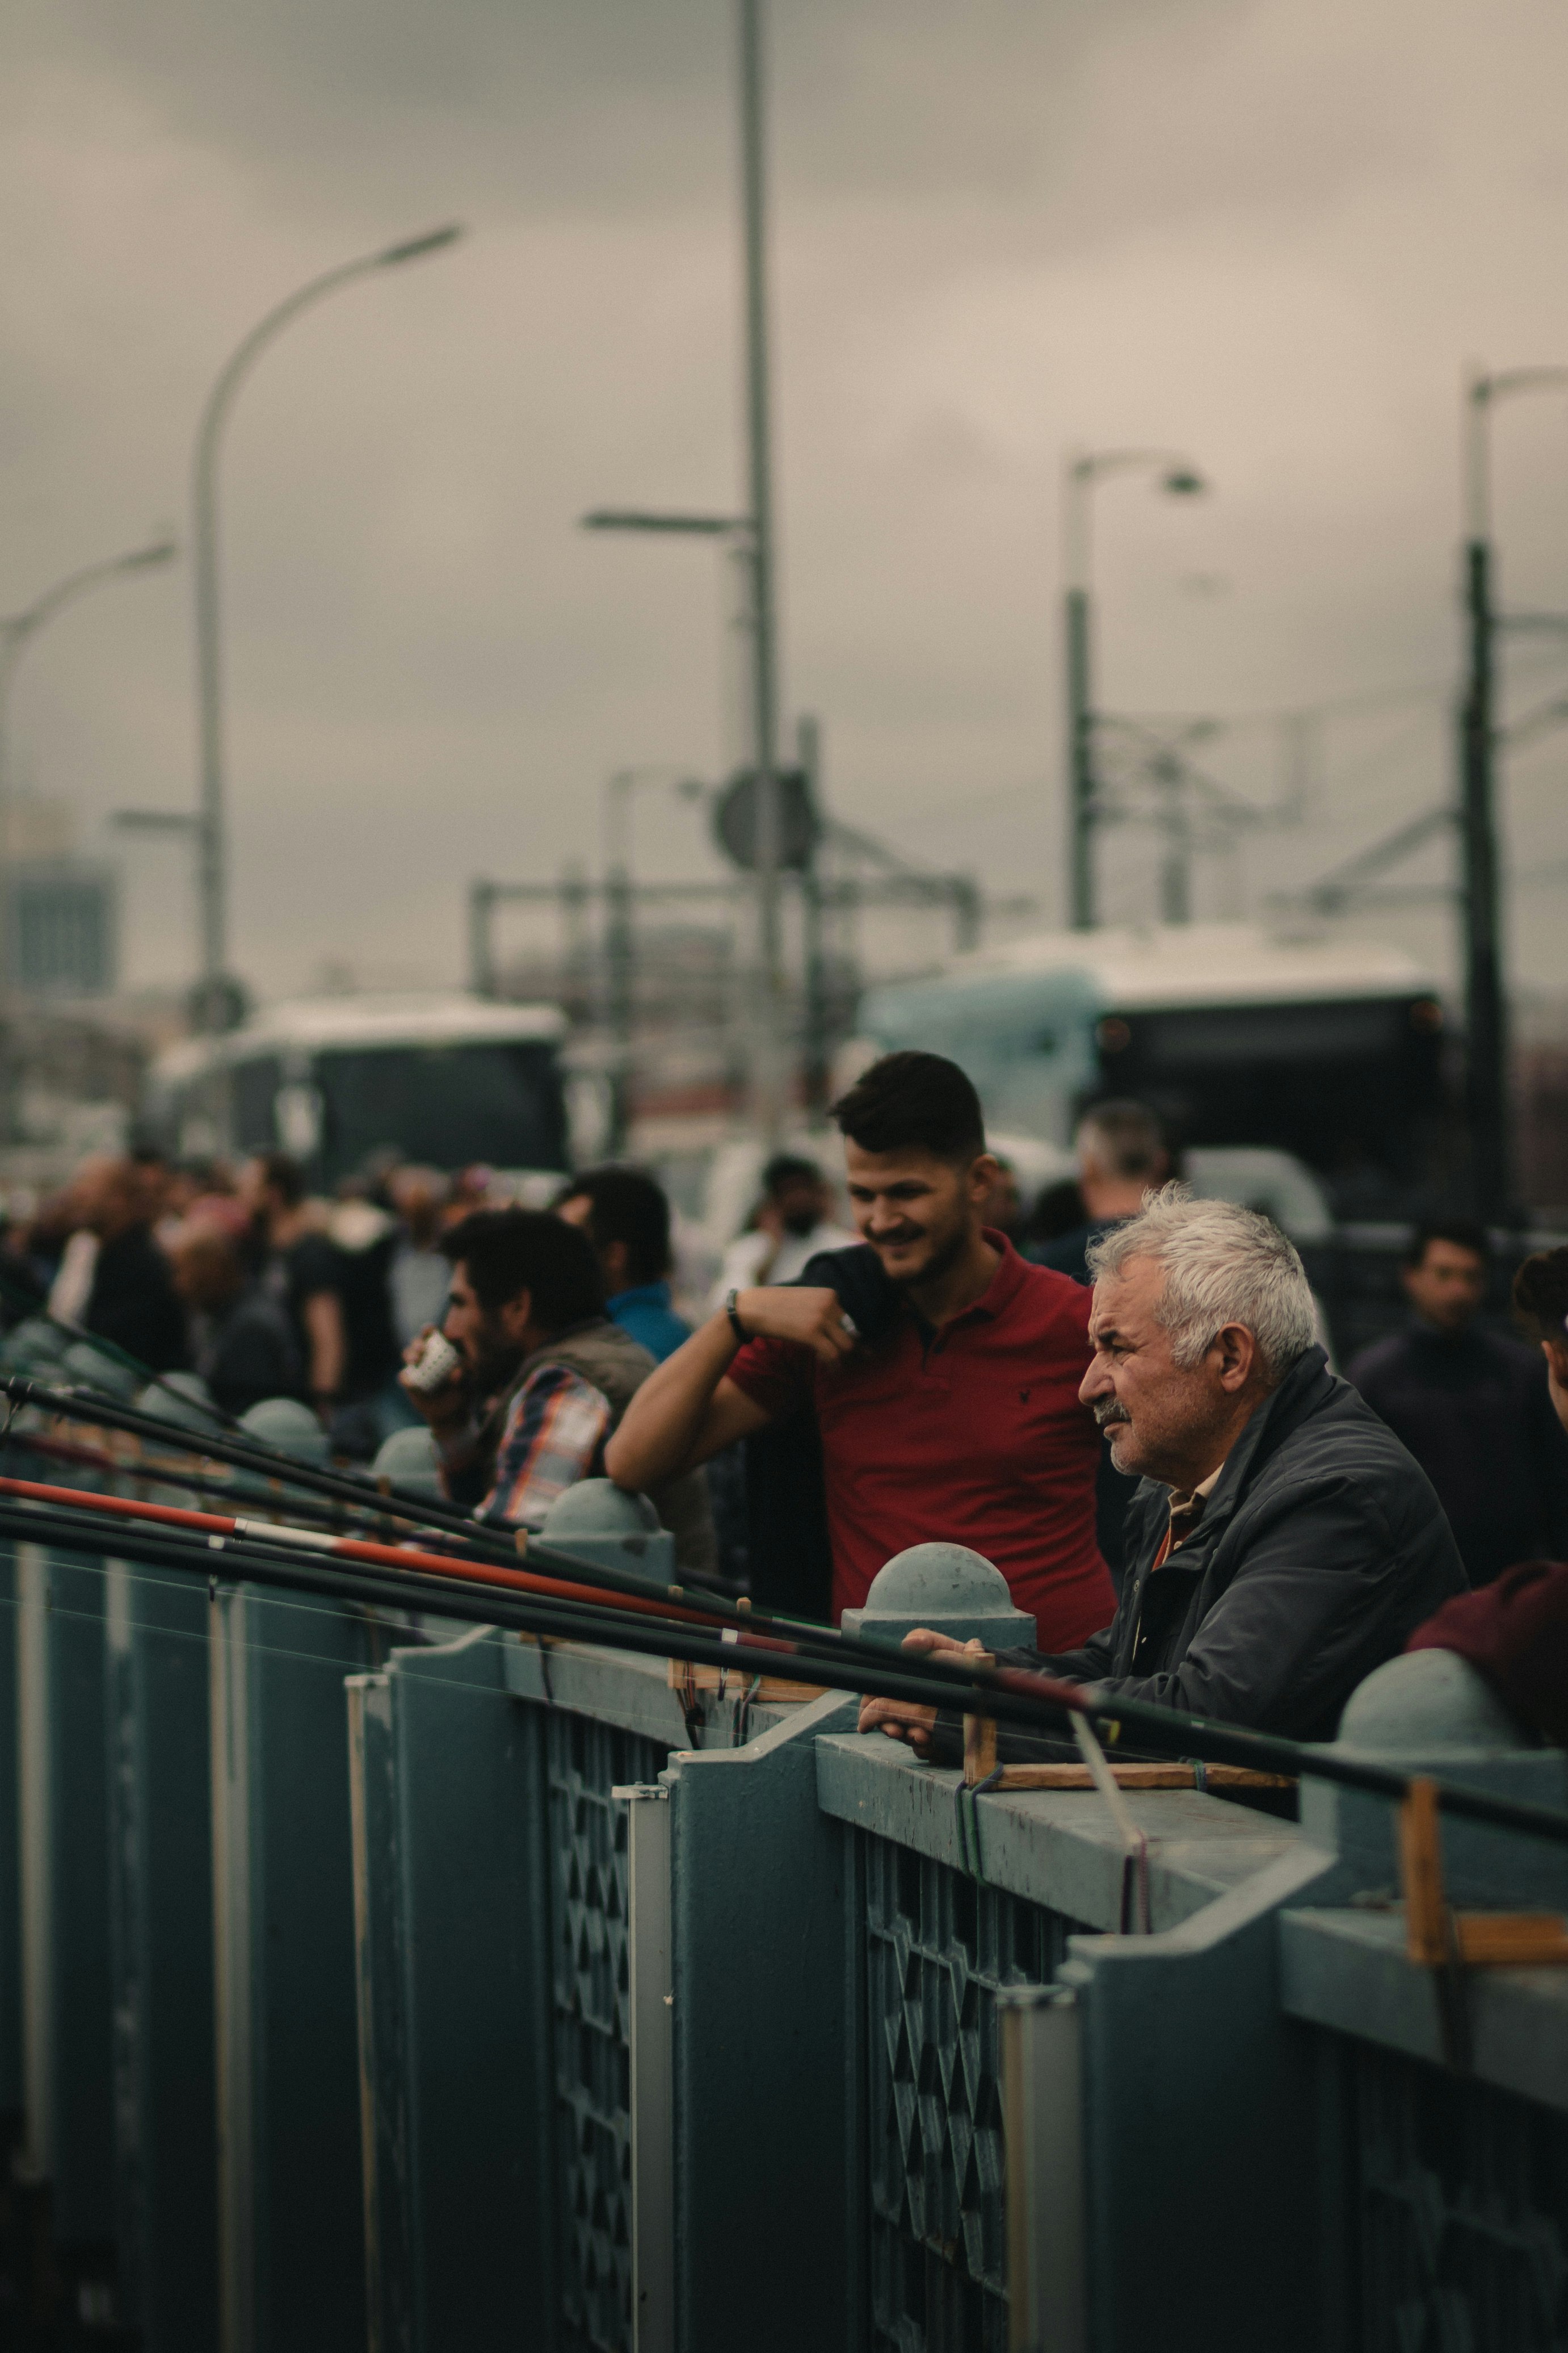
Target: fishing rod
[(1010, 1695), (380, 1503), (418, 1511)]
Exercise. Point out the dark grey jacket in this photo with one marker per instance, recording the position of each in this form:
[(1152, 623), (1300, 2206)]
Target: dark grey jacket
[(1321, 1550)]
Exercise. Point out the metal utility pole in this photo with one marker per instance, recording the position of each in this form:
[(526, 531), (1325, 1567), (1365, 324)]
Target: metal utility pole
[(1178, 479), (769, 1085), (213, 882), (1487, 1074)]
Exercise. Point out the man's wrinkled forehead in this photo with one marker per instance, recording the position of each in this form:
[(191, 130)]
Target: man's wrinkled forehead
[(1124, 1303)]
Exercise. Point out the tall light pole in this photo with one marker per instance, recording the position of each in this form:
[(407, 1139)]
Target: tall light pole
[(751, 535), (212, 843), (1485, 1006), (769, 1086), (1084, 472)]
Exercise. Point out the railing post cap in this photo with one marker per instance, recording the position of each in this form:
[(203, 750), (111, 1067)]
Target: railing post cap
[(1428, 1699), (410, 1459), (597, 1508), (948, 1587), (288, 1425)]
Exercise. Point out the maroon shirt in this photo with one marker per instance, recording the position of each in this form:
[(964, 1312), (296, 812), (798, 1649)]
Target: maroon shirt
[(970, 1434)]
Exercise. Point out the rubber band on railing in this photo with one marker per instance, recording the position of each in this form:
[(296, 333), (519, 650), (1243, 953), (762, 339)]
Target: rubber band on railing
[(741, 1729), (969, 1851), (1134, 1842)]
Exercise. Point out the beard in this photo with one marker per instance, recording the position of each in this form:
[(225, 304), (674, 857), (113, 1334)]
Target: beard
[(945, 1254)]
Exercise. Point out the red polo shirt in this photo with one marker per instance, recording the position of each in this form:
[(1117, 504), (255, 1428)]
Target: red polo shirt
[(970, 1434)]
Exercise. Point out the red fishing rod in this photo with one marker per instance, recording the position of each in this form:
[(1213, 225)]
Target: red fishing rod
[(222, 1525)]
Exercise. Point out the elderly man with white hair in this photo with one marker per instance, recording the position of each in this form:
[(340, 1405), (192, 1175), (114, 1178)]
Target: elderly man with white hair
[(1282, 1543)]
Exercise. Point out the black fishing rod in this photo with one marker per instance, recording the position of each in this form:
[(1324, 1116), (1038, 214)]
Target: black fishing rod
[(1010, 1695), (383, 1500), (418, 1511)]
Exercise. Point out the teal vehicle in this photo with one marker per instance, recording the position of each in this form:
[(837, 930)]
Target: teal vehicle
[(1330, 1050)]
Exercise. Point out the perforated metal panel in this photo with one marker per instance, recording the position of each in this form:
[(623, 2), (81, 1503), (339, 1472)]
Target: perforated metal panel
[(938, 1947), (593, 2083), (1463, 2197)]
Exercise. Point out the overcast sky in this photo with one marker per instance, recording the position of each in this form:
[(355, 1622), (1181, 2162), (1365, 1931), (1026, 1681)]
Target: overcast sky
[(1269, 235)]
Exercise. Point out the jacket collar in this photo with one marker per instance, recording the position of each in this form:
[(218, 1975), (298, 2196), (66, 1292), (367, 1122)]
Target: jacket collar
[(1304, 1388)]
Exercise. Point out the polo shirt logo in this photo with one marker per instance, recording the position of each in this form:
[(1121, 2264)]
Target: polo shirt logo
[(1023, 1396)]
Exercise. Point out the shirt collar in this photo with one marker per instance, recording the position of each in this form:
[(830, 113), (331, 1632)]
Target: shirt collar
[(1005, 1284)]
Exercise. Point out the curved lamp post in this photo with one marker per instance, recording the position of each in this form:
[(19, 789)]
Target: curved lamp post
[(1178, 479), (213, 892)]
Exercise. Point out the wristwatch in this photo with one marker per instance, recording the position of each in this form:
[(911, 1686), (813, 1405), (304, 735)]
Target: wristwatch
[(733, 1313)]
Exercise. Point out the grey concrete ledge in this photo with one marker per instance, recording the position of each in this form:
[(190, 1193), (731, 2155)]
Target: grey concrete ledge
[(1054, 1847), (1348, 1970)]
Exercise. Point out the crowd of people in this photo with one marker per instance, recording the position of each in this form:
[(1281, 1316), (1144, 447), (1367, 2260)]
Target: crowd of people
[(1119, 1394)]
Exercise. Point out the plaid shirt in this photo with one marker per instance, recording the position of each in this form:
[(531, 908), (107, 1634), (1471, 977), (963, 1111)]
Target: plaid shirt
[(555, 1427)]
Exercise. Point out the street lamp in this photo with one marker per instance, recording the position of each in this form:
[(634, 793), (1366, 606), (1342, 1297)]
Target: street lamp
[(213, 880), (1084, 472), (1485, 1013), (753, 537)]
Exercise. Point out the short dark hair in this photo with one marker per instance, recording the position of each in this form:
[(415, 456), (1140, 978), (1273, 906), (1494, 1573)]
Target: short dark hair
[(1465, 1233), (788, 1168), (510, 1251), (625, 1205), (909, 1098), (282, 1173), (1541, 1294)]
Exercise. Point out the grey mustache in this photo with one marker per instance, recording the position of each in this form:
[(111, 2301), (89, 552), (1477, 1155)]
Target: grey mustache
[(1109, 1413)]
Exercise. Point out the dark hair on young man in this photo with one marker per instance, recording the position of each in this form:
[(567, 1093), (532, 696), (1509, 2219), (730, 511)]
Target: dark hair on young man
[(283, 1175), (625, 1205), (505, 1252), (1541, 1294), (789, 1169), (1464, 1234), (911, 1100)]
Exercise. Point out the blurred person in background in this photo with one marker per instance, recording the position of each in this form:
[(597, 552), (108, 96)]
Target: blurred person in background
[(242, 1343), (1514, 1631), (626, 1216), (544, 1377), (298, 1268), (1121, 1155), (793, 1221), (372, 1402), (1003, 1209), (114, 1281), (1473, 1407), (201, 1190), (419, 1274)]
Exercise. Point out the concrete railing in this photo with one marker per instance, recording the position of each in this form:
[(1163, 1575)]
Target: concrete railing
[(437, 1987)]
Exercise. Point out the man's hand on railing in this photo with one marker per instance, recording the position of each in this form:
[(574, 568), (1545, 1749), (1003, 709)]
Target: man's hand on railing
[(896, 1717)]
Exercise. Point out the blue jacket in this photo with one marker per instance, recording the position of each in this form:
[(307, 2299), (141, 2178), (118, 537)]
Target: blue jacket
[(647, 1314)]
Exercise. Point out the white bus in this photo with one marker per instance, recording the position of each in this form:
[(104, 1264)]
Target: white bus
[(446, 1080), (1332, 1050)]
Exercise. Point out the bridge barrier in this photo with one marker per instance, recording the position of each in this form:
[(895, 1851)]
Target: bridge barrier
[(553, 1993)]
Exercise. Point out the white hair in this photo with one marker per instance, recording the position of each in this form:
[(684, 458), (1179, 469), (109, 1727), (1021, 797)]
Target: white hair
[(1223, 1265)]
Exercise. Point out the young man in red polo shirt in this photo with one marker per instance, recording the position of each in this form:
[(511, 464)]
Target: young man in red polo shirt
[(958, 1418)]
